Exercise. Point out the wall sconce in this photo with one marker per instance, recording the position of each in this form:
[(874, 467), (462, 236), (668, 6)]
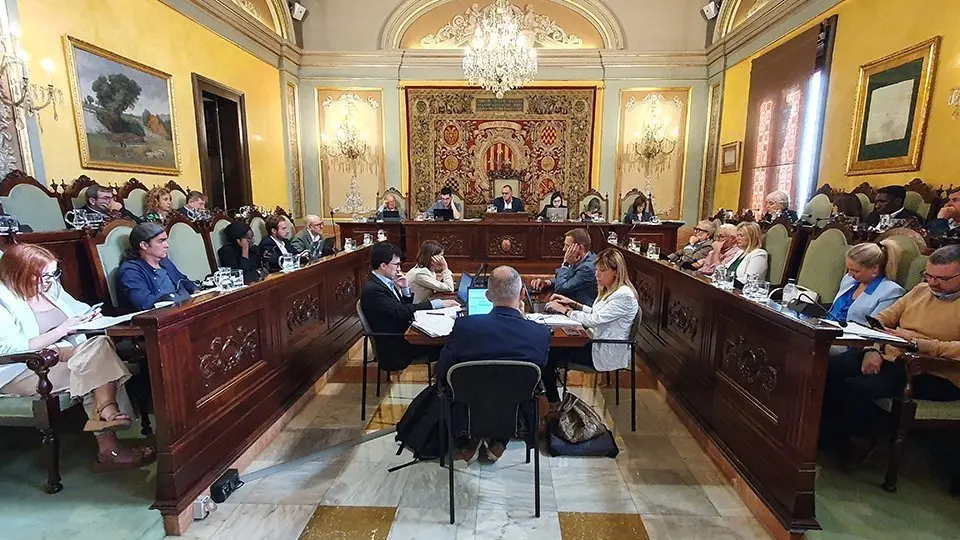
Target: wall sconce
[(954, 101), (652, 145), (24, 97)]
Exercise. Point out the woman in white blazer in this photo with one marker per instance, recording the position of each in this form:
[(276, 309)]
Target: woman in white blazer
[(36, 313), (753, 260), (431, 275), (610, 317)]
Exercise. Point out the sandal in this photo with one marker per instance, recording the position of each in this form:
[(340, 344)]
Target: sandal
[(123, 458), (118, 421)]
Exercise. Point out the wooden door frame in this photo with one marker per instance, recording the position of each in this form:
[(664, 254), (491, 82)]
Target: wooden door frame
[(203, 84)]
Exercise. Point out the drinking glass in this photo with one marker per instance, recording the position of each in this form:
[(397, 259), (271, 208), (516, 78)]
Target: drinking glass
[(221, 278), (653, 251), (762, 291), (719, 276), (612, 237), (286, 263), (367, 239), (750, 287), (381, 235), (236, 279)]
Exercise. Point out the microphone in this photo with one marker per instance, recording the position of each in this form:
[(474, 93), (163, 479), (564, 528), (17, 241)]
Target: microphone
[(795, 302)]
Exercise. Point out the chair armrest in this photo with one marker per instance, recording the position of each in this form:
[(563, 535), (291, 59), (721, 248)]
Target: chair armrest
[(916, 363), (38, 362)]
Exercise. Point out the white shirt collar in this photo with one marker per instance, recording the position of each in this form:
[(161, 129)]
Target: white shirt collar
[(281, 245)]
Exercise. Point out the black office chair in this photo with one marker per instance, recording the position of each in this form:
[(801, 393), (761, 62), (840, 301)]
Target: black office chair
[(368, 334), (632, 343), (492, 392)]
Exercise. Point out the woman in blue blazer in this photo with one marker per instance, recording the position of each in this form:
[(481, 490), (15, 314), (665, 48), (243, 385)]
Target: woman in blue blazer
[(868, 288)]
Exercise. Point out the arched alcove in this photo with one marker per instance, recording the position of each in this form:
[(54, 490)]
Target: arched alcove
[(734, 13)]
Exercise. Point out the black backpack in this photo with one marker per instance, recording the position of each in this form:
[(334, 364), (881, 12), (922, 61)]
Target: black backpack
[(419, 429)]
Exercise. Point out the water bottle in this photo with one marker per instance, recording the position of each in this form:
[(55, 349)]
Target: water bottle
[(790, 292)]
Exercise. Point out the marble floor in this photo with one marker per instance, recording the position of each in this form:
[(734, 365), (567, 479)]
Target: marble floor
[(660, 486)]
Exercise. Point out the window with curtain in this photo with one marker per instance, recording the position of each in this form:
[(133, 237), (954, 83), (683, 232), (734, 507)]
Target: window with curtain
[(785, 117)]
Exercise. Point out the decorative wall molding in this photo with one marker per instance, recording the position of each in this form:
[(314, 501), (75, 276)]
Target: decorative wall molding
[(293, 143), (594, 11), (460, 29)]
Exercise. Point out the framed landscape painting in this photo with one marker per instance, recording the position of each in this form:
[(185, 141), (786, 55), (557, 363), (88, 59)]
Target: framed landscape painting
[(890, 116), (124, 112)]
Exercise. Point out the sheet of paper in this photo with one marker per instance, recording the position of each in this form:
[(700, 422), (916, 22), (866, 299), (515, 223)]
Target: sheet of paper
[(869, 333), (553, 319), (102, 323), (435, 322)]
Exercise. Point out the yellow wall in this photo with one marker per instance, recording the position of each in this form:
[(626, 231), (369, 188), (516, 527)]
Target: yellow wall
[(867, 30), (151, 33)]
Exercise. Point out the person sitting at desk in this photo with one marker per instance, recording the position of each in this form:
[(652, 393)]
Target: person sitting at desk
[(101, 201), (926, 317), (889, 202), (575, 278), (502, 334), (948, 218), (701, 242), (239, 252), (638, 212), (610, 317), (146, 276), (556, 201), (390, 206), (506, 202), (37, 313), (593, 213), (724, 250), (310, 239), (778, 204), (431, 275), (196, 204), (276, 243), (446, 202), (752, 261), (158, 205), (868, 287), (388, 305)]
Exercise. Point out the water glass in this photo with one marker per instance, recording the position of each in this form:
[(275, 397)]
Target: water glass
[(287, 263), (750, 287), (719, 276), (653, 251), (221, 278), (236, 279), (612, 238), (381, 235), (367, 239), (762, 291)]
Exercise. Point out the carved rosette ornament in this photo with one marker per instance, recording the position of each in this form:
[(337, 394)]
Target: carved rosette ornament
[(346, 289), (539, 28), (228, 352), (506, 246), (302, 310), (452, 244), (750, 364), (683, 318), (555, 245)]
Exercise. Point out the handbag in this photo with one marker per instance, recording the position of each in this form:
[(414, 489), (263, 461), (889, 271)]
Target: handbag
[(577, 421)]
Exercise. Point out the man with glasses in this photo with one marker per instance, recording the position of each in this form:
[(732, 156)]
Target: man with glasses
[(387, 304), (310, 239), (927, 318), (948, 219), (101, 202), (506, 202), (723, 251), (699, 246)]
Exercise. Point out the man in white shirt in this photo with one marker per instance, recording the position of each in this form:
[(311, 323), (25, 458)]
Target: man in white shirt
[(276, 243), (506, 202), (889, 202)]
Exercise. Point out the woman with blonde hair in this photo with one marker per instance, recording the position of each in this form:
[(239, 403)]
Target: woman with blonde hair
[(431, 275), (752, 262), (158, 204), (868, 286), (36, 313), (610, 317)]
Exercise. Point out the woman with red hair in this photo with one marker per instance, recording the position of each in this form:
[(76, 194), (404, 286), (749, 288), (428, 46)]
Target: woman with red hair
[(36, 313)]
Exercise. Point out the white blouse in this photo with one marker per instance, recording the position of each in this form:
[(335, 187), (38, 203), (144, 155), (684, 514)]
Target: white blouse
[(424, 284), (610, 318)]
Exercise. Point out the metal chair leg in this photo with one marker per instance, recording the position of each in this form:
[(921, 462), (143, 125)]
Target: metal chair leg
[(633, 391), (378, 380), (616, 381), (536, 462), (363, 383), (449, 416)]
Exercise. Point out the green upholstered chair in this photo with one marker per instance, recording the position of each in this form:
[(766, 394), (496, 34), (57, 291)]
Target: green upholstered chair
[(136, 201), (778, 241), (819, 209), (866, 206), (188, 251), (915, 272), (259, 226), (216, 235), (823, 263), (914, 202), (33, 205), (911, 245), (178, 197), (110, 245)]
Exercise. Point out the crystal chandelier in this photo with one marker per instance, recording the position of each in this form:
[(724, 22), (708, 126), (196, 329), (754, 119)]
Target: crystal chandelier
[(653, 146), (23, 97), (499, 58), (348, 143)]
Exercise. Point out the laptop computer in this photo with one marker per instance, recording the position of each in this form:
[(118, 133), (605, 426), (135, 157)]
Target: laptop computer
[(557, 214), (443, 214), (477, 302), (535, 307), (390, 215), (466, 281)]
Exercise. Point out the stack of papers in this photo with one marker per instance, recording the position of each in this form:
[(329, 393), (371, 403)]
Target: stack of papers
[(855, 330), (102, 323), (553, 319), (435, 322)]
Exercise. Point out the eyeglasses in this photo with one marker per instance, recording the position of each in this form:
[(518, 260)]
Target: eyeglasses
[(397, 264), (928, 278), (51, 277), (698, 229)]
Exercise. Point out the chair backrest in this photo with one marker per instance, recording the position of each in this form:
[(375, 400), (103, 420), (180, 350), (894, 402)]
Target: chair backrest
[(866, 206), (178, 197), (216, 234), (911, 245), (401, 202), (915, 203), (136, 201), (819, 209), (514, 184), (593, 195), (367, 329), (110, 252), (493, 390), (188, 251), (915, 272), (75, 193), (626, 201), (777, 242), (824, 264), (33, 206), (259, 226)]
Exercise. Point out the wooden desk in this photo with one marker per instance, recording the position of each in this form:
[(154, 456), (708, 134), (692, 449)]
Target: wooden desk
[(530, 247), (750, 375), (559, 339), (225, 366)]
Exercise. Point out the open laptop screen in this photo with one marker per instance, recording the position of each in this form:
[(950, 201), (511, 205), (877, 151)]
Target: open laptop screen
[(466, 281), (477, 303)]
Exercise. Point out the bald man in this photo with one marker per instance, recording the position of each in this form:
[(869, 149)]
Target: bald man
[(310, 239)]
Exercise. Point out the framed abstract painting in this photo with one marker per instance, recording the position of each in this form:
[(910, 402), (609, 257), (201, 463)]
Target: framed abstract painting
[(730, 157), (124, 111), (890, 116)]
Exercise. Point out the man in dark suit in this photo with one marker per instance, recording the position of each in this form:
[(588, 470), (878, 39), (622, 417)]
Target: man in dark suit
[(387, 304), (101, 201), (948, 218), (576, 278), (889, 201), (507, 202), (276, 243), (503, 334)]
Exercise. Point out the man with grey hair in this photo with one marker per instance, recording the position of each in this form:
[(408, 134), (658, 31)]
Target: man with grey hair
[(701, 242), (502, 334), (723, 252), (778, 204), (927, 318), (310, 239)]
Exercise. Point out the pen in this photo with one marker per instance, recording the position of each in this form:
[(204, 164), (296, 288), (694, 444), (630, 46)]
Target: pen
[(437, 314)]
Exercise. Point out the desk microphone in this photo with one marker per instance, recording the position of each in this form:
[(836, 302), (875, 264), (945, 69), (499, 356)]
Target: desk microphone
[(795, 302)]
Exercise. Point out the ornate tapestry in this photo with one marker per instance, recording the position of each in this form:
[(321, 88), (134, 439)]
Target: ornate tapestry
[(459, 136), (713, 137)]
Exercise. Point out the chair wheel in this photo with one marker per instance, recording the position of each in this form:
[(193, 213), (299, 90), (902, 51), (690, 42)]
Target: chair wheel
[(55, 488), (889, 488)]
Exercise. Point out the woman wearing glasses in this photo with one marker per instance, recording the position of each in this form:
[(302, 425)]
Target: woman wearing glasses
[(36, 313), (701, 242)]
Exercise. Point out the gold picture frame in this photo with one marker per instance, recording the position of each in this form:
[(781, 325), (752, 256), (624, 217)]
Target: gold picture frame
[(137, 135), (890, 115), (730, 157)]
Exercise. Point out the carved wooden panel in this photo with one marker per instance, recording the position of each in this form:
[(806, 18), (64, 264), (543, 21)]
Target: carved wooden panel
[(748, 363), (453, 244), (554, 245), (303, 310), (683, 318), (228, 353), (346, 288), (506, 245)]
